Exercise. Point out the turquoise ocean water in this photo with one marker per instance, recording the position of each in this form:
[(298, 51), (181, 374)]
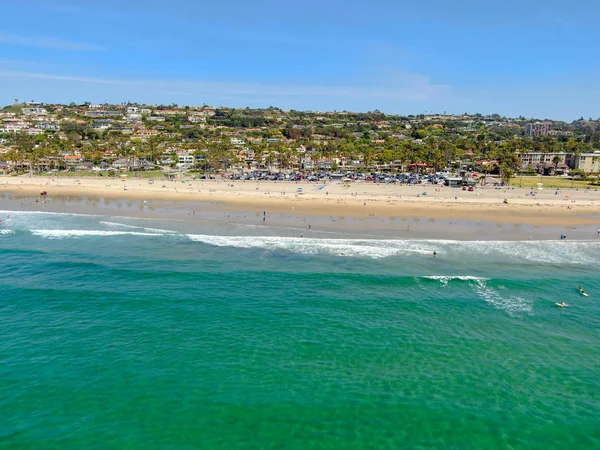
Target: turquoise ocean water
[(121, 333)]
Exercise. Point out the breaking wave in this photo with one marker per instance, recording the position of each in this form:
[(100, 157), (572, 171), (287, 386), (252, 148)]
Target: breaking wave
[(61, 234), (549, 252)]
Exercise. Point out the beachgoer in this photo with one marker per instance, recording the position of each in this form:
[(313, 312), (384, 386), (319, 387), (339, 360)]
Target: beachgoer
[(434, 253), (563, 303)]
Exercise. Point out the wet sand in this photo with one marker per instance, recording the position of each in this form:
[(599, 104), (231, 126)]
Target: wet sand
[(564, 208), (186, 215)]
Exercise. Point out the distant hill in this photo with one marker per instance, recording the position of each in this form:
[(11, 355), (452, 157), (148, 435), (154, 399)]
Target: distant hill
[(17, 109)]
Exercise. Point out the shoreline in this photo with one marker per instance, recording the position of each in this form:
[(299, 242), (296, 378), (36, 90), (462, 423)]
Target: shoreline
[(567, 208), (485, 219)]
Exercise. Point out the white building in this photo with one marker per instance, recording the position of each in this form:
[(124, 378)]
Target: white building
[(185, 161), (15, 127), (134, 117), (537, 129), (48, 126), (588, 162), (34, 111)]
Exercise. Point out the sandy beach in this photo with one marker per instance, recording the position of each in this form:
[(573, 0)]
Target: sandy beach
[(565, 207)]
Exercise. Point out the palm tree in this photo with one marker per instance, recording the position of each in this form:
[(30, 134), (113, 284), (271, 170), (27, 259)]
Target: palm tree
[(556, 161)]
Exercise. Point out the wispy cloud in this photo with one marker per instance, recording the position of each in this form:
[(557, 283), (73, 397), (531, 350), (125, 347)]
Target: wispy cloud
[(47, 42), (398, 86)]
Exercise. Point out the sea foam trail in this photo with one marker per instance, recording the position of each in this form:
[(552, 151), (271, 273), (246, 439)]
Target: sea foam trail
[(524, 251), (444, 280), (61, 234), (512, 304), (504, 301), (133, 227)]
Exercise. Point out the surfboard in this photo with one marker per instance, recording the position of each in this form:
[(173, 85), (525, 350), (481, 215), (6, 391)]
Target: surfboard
[(584, 294), (562, 306)]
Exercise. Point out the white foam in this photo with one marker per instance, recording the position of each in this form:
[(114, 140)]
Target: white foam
[(48, 213), (6, 231), (59, 234), (122, 225), (372, 248), (444, 280), (574, 252), (509, 303)]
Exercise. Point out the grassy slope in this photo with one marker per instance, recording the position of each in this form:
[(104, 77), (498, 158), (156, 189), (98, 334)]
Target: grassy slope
[(549, 182)]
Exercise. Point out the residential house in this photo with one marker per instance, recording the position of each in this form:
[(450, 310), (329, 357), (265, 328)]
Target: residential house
[(33, 131), (168, 112), (76, 162), (145, 133), (104, 114), (48, 126), (122, 164), (134, 117), (185, 161), (14, 127), (34, 111)]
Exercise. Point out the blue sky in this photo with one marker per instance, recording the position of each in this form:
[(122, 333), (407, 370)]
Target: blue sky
[(536, 58)]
